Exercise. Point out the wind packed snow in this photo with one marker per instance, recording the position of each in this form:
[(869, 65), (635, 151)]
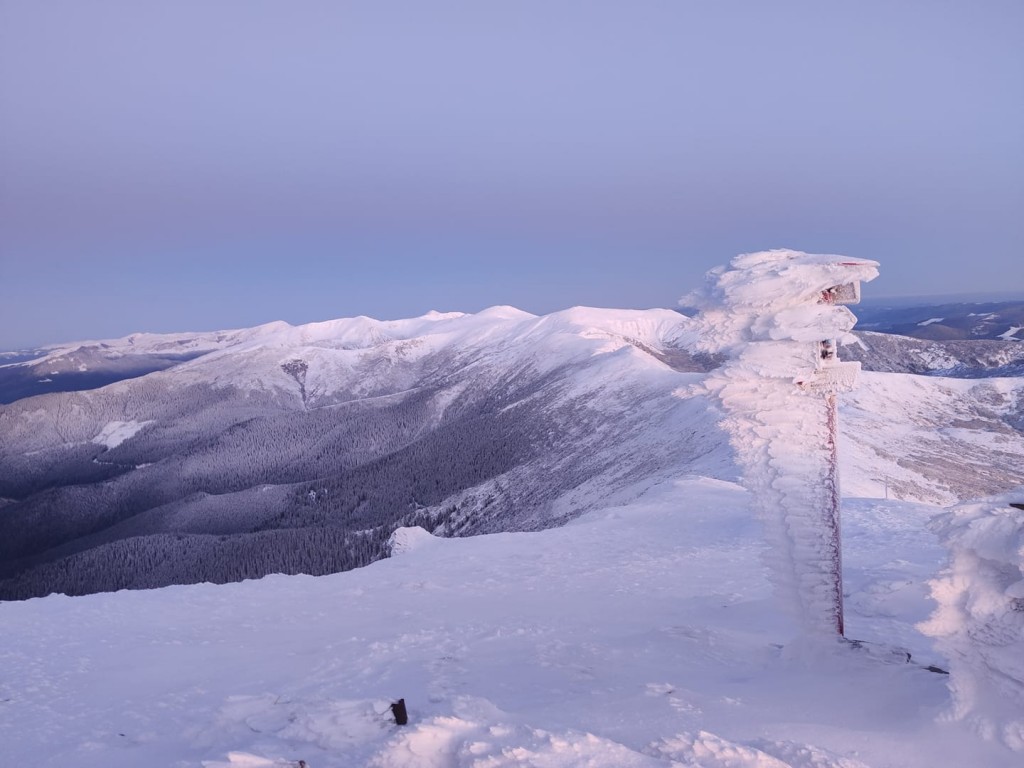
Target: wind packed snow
[(639, 635), (764, 313), (773, 295), (980, 620)]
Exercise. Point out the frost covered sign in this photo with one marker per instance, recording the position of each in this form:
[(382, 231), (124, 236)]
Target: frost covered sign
[(778, 318)]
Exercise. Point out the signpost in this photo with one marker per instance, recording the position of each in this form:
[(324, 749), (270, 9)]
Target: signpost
[(830, 377)]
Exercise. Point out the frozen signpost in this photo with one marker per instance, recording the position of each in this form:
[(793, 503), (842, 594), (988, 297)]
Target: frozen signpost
[(829, 378), (777, 318)]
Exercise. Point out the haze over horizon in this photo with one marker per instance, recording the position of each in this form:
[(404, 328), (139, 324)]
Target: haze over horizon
[(203, 166), (32, 350)]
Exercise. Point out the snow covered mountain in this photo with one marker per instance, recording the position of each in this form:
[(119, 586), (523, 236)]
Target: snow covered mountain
[(959, 359), (939, 319), (958, 339), (299, 449), (627, 609)]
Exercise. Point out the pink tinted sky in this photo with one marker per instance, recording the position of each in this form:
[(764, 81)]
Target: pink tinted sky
[(196, 165)]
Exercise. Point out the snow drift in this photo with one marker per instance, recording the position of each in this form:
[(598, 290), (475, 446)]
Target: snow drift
[(980, 619), (642, 634)]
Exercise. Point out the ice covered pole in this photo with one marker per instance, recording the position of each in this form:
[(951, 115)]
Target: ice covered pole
[(778, 317)]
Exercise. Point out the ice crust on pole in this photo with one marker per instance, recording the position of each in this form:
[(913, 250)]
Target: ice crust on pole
[(776, 318)]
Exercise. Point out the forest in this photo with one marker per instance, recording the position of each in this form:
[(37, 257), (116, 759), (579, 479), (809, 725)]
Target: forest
[(225, 483)]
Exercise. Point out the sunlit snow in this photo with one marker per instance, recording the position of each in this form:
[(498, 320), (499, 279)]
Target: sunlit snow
[(641, 635), (649, 632)]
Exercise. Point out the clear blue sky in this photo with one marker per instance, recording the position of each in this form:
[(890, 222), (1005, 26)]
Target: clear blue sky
[(199, 164)]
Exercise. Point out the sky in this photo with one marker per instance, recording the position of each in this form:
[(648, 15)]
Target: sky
[(203, 165)]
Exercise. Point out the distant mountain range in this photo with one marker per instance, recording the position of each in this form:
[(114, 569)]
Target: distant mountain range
[(944, 321), (160, 459), (88, 365)]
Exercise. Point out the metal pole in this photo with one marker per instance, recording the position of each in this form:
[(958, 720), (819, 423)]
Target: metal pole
[(832, 516)]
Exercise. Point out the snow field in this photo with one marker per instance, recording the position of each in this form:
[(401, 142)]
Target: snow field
[(642, 634), (116, 432), (646, 633)]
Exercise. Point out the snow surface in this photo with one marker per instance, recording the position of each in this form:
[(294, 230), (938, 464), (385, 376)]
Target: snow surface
[(354, 355), (645, 633), (980, 620), (1011, 333), (899, 440), (116, 432), (640, 635)]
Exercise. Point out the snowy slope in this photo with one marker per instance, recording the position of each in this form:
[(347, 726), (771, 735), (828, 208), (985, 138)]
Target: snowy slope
[(279, 447), (648, 630), (939, 318), (639, 635), (968, 359), (932, 439), (234, 356), (466, 423)]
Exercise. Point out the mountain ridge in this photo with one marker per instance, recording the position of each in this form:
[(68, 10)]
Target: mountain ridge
[(433, 428), (299, 449)]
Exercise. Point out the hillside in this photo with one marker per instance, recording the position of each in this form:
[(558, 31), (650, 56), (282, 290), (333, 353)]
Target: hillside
[(975, 359), (628, 602), (299, 449), (641, 635), (945, 320)]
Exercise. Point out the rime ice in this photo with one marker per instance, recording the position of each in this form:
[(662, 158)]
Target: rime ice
[(778, 316), (980, 618)]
